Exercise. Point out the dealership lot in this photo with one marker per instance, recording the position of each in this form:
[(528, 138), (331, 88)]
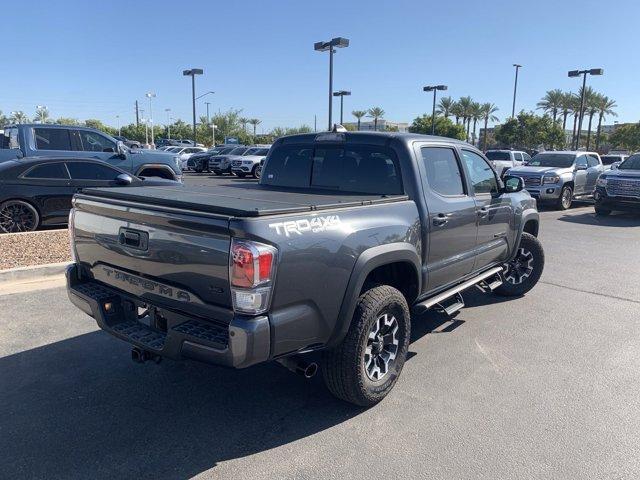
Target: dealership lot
[(538, 387)]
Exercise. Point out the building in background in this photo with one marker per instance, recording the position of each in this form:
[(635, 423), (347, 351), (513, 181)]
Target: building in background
[(383, 126)]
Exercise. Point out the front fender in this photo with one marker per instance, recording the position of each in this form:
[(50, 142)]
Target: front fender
[(527, 215), (369, 260)]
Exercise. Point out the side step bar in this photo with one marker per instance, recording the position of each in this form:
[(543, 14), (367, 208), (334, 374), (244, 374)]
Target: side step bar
[(459, 288)]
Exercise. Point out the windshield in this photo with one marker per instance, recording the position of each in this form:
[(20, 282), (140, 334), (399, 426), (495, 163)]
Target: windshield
[(560, 160), (631, 163), (238, 151), (609, 159), (498, 155)]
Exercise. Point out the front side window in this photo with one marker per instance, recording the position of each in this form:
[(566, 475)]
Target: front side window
[(51, 171), (443, 172), (91, 171), (582, 161), (481, 174), (592, 161), (94, 142), (52, 139), (517, 156)]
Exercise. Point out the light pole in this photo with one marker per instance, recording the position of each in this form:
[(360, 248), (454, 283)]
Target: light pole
[(515, 90), (213, 135), (577, 73), (338, 42), (434, 89), (341, 94), (167, 110), (192, 73), (151, 95), (206, 103), (146, 131)]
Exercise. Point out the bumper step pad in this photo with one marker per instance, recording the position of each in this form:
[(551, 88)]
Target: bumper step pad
[(138, 332), (207, 332)]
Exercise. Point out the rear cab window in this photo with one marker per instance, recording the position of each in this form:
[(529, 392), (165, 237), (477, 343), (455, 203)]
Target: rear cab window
[(52, 139), (350, 168)]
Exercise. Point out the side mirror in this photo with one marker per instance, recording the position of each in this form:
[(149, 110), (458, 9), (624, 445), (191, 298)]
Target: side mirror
[(512, 184), (124, 179), (581, 166), (121, 149)]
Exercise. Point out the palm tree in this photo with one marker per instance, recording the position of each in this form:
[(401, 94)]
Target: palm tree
[(488, 110), (375, 113), (42, 115), (566, 107), (605, 107), (589, 94), (18, 117), (575, 110), (244, 121), (552, 102), (466, 103), (444, 106), (359, 114), (476, 114), (456, 111), (255, 122), (591, 108)]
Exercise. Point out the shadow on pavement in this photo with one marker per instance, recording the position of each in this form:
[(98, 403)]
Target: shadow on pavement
[(613, 220), (81, 408)]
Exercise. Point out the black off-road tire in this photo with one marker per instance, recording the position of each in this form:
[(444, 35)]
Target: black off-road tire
[(344, 367), (602, 212), (518, 280), (566, 198)]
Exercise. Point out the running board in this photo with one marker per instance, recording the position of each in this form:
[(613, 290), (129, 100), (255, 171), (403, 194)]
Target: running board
[(459, 288)]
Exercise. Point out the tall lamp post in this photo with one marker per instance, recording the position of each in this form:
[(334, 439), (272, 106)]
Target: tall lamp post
[(515, 90), (434, 89), (168, 110), (584, 73), (151, 95), (192, 73), (341, 94), (118, 122), (331, 45)]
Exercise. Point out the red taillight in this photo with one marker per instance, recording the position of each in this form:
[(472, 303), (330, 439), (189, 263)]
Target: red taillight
[(251, 263)]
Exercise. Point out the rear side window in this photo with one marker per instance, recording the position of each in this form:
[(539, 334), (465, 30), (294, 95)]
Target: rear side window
[(52, 139), (91, 171), (53, 171), (443, 171), (289, 167)]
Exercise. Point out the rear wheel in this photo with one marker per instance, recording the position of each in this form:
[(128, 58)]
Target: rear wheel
[(18, 216), (523, 272), (366, 365), (566, 197), (254, 171), (258, 171)]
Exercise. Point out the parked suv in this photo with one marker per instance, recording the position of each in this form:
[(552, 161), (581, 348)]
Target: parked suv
[(345, 232), (503, 160), (619, 189), (221, 163), (249, 162), (560, 177), (44, 140), (613, 160)]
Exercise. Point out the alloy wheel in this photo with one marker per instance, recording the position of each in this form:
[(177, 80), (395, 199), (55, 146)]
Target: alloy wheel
[(382, 347), (566, 198), (520, 268), (18, 216)]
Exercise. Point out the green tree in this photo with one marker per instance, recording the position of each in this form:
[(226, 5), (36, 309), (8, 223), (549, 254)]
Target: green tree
[(359, 114), (18, 117), (566, 107), (476, 114), (626, 136), (3, 119), (552, 102), (466, 107), (254, 122), (456, 111), (444, 127), (244, 121), (67, 121), (488, 110), (530, 131), (376, 113), (605, 107), (42, 115), (98, 125), (444, 106)]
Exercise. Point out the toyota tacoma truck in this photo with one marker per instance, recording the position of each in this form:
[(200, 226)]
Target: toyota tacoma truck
[(346, 234)]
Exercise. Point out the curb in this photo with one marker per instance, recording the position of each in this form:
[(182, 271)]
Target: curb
[(23, 274)]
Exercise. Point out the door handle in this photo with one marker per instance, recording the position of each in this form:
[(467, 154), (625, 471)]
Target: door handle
[(483, 212), (440, 220)]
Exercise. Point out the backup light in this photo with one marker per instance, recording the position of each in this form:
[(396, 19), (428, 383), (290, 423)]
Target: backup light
[(251, 273)]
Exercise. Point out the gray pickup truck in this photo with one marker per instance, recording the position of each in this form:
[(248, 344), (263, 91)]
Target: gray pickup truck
[(44, 140), (344, 233)]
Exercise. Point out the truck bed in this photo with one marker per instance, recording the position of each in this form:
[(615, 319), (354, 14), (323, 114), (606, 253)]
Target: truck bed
[(240, 201)]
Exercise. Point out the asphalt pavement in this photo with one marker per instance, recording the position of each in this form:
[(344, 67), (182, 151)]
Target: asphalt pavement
[(544, 386)]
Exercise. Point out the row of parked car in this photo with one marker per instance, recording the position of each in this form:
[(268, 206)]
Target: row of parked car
[(240, 160), (559, 177)]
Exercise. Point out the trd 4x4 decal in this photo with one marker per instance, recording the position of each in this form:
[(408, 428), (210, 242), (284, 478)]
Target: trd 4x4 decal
[(304, 225)]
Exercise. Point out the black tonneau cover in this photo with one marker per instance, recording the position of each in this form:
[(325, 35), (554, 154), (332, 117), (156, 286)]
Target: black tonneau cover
[(239, 201)]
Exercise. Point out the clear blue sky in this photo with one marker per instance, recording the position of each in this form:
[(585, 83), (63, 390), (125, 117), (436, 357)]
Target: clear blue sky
[(94, 59)]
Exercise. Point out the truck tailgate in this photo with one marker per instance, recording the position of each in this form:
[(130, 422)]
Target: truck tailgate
[(166, 257)]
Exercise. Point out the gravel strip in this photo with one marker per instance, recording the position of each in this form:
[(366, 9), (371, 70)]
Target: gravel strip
[(34, 248)]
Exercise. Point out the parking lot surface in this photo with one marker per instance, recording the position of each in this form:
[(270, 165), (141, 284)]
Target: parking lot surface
[(544, 386)]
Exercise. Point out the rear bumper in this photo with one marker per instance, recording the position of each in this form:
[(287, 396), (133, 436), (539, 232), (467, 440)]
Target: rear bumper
[(627, 204), (243, 342)]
